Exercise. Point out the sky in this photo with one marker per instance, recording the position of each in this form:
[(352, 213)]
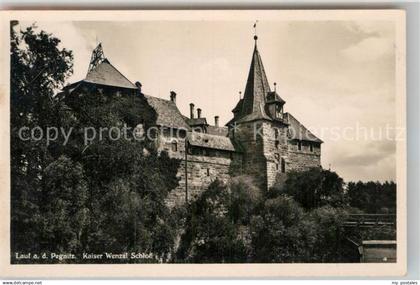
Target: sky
[(337, 77)]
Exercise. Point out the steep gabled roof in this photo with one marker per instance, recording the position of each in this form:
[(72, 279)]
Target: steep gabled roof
[(210, 141), (167, 113), (217, 131), (298, 131), (256, 89), (196, 121), (106, 74), (102, 72)]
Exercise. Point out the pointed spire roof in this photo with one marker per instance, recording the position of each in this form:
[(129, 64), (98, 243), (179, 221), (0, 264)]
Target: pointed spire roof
[(256, 90)]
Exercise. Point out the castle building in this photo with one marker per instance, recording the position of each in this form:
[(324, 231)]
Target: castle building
[(261, 140)]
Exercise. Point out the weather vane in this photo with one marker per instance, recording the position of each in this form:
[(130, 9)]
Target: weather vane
[(255, 30)]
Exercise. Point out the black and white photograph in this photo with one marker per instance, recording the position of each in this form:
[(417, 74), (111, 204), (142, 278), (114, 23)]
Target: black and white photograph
[(206, 141)]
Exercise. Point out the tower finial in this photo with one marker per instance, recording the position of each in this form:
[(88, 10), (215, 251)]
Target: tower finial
[(275, 84), (97, 57), (240, 95), (255, 32)]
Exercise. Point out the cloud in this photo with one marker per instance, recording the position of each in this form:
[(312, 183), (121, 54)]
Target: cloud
[(365, 160), (369, 49)]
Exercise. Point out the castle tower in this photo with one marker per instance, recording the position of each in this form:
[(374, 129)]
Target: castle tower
[(259, 126)]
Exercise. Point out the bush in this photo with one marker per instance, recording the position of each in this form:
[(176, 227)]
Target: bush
[(314, 188)]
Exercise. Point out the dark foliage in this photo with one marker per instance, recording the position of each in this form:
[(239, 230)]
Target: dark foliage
[(314, 188), (211, 234), (373, 197), (38, 68), (104, 196)]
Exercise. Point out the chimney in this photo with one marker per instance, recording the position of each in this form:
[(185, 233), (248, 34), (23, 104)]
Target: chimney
[(198, 113), (173, 96), (138, 84), (191, 110), (216, 121)]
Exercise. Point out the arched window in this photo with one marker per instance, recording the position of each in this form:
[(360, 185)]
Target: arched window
[(283, 165), (299, 145), (311, 147), (174, 146)]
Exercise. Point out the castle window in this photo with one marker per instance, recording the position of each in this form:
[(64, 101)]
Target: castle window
[(279, 111), (277, 166), (174, 146), (311, 147), (299, 145), (208, 171), (283, 165)]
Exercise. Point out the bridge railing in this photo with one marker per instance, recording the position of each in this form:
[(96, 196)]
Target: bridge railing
[(370, 220)]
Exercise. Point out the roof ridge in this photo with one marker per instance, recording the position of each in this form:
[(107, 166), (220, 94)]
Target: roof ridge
[(119, 72), (107, 74), (302, 127), (159, 98)]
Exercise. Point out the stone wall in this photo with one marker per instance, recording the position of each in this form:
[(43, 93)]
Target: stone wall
[(264, 147), (200, 171), (275, 150), (200, 167), (254, 161), (300, 160), (267, 154)]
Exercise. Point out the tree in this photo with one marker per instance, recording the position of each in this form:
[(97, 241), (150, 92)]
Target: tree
[(372, 197), (65, 213), (314, 188), (245, 197), (107, 195), (276, 231), (38, 67), (211, 234), (324, 234), (127, 184)]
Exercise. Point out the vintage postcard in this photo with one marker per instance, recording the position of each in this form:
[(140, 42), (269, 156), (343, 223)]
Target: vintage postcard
[(203, 143)]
